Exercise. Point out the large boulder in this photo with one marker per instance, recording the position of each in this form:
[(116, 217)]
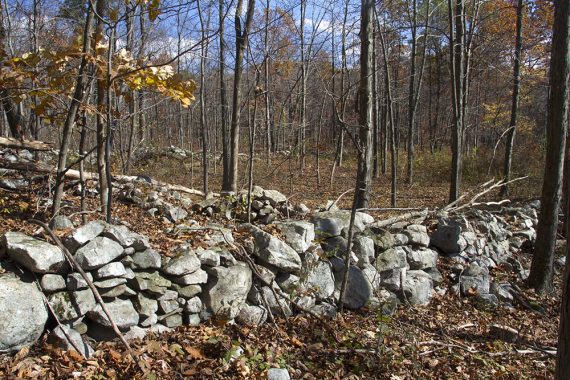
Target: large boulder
[(24, 314), (417, 287), (186, 263), (358, 289), (332, 223), (35, 255), (97, 253), (417, 235), (447, 238), (475, 278), (317, 276), (298, 234), (270, 250), (422, 258), (227, 289), (274, 197)]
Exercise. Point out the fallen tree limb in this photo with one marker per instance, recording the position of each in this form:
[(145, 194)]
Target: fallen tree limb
[(9, 142), (400, 218), (39, 167)]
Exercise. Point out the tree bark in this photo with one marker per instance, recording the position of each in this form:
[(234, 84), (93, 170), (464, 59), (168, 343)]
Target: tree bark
[(540, 277), (515, 102), (241, 43)]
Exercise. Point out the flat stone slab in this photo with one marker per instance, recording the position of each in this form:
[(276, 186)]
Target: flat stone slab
[(33, 254)]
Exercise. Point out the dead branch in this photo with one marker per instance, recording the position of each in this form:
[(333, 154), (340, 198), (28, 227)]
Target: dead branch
[(400, 218), (9, 142)]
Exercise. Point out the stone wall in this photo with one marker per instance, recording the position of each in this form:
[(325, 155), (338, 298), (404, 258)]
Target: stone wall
[(147, 290)]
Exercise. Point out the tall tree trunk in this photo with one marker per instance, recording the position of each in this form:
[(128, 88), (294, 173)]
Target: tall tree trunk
[(411, 94), (226, 151), (303, 86), (558, 104), (78, 96), (101, 113), (266, 83), (540, 277), (241, 43), (515, 101), (456, 48), (203, 126)]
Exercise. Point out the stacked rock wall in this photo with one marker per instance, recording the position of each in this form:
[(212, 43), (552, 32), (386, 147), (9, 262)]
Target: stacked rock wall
[(145, 290)]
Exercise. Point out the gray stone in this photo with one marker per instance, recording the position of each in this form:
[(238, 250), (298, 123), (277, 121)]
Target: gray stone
[(52, 283), (173, 321), (98, 252), (60, 222), (147, 259), (168, 295), (159, 329), (188, 291), (417, 235), (120, 234), (278, 374), (273, 251), (363, 247), (325, 310), (114, 269), (192, 319), (335, 246), (252, 315), (422, 258), (435, 275), (383, 239), (372, 275), (447, 238), (69, 339), (13, 184), (393, 258), (24, 314), (332, 223), (167, 306), (317, 276), (135, 332), (72, 305), (122, 312), (400, 239), (277, 306), (110, 283), (35, 255), (197, 277), (151, 282), (502, 291), (358, 290), (75, 281), (173, 213), (145, 306), (417, 288), (208, 257), (227, 290), (302, 209), (149, 321), (84, 234), (288, 282), (193, 305), (274, 197), (476, 278), (299, 235), (186, 263), (121, 290)]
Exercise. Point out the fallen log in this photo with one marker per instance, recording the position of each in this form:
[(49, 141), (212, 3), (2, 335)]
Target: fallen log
[(9, 142), (39, 167)]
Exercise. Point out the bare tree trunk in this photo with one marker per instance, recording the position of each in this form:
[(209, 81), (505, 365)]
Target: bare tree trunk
[(390, 119), (266, 83), (515, 102), (203, 126), (411, 94), (226, 152), (303, 86), (241, 44), (363, 176), (540, 277), (78, 96), (456, 38)]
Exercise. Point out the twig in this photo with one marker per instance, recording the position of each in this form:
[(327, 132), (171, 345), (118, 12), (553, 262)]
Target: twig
[(338, 199)]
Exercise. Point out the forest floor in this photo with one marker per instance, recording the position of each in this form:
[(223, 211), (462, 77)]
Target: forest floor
[(449, 339)]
